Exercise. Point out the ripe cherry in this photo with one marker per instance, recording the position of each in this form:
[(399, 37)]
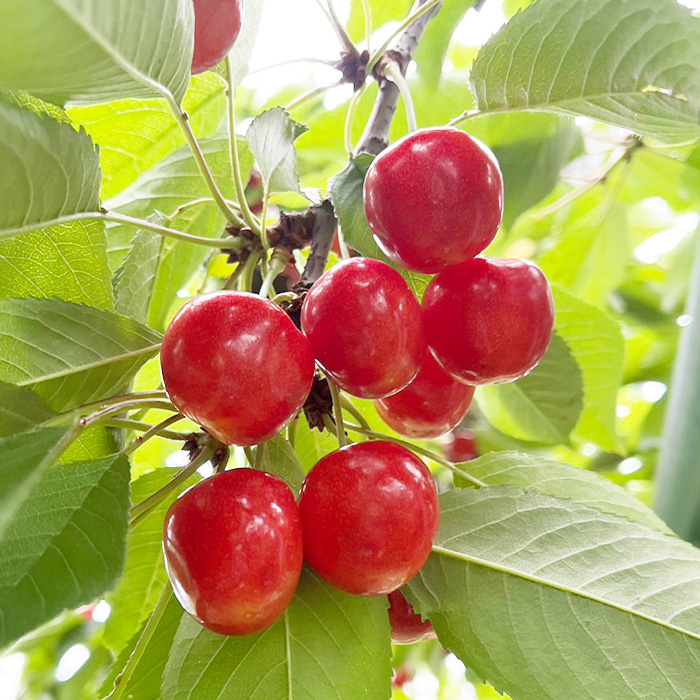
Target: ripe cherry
[(237, 365), (369, 515), (431, 405), (365, 328), (407, 626), (233, 550), (461, 446), (434, 199), (217, 24), (489, 321)]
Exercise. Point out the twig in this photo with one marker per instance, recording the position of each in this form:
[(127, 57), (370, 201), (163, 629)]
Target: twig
[(322, 235), (337, 413)]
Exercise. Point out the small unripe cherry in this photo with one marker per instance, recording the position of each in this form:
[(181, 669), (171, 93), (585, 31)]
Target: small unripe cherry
[(233, 550), (431, 405), (235, 364), (434, 199), (217, 24), (407, 626), (365, 328), (488, 320), (369, 515)]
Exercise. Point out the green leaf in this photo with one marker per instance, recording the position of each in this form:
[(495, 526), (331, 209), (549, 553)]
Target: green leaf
[(436, 40), (634, 65), (173, 182), (549, 599), (67, 262), (25, 458), (240, 54), (65, 544), (326, 645), (280, 458), (311, 445), (20, 410), (271, 138), (541, 475), (544, 406), (96, 50), (69, 354), (144, 572), (49, 172), (134, 135), (596, 342), (382, 11)]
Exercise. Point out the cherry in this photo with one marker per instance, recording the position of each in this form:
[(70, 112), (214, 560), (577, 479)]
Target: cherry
[(489, 321), (407, 626), (233, 550), (431, 405), (434, 199), (365, 328), (369, 515), (237, 365), (217, 24), (461, 446)]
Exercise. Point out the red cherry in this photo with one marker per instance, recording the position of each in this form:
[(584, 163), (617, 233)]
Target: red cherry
[(431, 405), (365, 328), (233, 550), (217, 24), (434, 199), (489, 321), (407, 626), (369, 515), (461, 446), (237, 365)]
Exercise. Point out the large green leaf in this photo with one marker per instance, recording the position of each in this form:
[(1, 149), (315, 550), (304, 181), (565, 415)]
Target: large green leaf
[(572, 603), (25, 457), (280, 458), (69, 354), (545, 476), (595, 340), (326, 645), (20, 410), (144, 572), (67, 262), (65, 545), (134, 135), (632, 64), (544, 406), (49, 170), (96, 50)]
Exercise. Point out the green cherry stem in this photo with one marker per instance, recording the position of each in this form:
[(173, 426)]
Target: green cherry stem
[(160, 429), (348, 405), (308, 96), (368, 23), (275, 269), (235, 157), (195, 203), (131, 424), (396, 76), (421, 450), (259, 454), (337, 413), (350, 119), (183, 122)]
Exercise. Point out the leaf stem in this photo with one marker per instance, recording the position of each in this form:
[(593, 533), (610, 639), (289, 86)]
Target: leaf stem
[(183, 122), (308, 96), (337, 413), (263, 217), (350, 118), (148, 631), (396, 76), (235, 156), (130, 424), (196, 203), (159, 429)]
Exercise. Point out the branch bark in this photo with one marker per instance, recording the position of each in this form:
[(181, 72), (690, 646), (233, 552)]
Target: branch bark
[(322, 235)]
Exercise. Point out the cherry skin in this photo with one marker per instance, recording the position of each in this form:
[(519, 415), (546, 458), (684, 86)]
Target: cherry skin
[(233, 550), (461, 446), (365, 328), (369, 515), (430, 406), (434, 199), (217, 24), (489, 321), (235, 364), (407, 626)]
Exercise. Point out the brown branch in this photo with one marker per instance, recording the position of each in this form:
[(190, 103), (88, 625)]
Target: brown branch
[(322, 234), (376, 135)]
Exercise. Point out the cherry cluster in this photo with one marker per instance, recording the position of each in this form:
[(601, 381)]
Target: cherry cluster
[(234, 363)]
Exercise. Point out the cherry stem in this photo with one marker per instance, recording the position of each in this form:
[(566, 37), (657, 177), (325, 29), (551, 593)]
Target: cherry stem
[(352, 410), (156, 430), (275, 269), (308, 96), (368, 23), (350, 118), (250, 455), (125, 406), (259, 454), (183, 122), (281, 64), (421, 450), (337, 413), (396, 76), (123, 679), (292, 432), (263, 217), (196, 203), (130, 424), (142, 510), (233, 277), (235, 158)]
